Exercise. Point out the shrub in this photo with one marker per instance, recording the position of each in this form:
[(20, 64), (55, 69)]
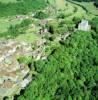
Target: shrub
[(40, 15), (26, 22)]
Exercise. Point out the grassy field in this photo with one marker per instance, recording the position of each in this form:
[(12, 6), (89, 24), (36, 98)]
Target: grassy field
[(78, 12), (60, 4), (73, 10), (28, 37), (90, 7), (7, 1), (87, 6), (5, 23), (83, 9)]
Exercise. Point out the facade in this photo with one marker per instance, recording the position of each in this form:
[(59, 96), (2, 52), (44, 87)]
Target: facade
[(84, 25)]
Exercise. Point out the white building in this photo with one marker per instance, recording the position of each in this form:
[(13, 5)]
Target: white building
[(84, 25)]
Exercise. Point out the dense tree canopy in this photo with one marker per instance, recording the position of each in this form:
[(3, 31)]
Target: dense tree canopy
[(40, 15), (69, 73), (94, 23)]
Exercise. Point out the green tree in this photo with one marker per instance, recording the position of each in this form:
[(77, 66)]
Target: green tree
[(40, 15), (70, 71), (13, 30)]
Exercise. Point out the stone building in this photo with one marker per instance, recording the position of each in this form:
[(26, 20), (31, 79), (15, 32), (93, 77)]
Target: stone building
[(84, 25)]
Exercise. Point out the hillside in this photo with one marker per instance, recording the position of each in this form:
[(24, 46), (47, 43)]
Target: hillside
[(70, 71), (48, 50)]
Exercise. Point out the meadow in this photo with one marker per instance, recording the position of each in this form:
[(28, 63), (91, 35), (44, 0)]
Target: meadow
[(89, 7), (12, 8), (7, 1), (28, 37), (76, 11), (5, 23)]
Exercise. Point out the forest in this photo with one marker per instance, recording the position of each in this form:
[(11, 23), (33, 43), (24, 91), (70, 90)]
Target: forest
[(69, 73)]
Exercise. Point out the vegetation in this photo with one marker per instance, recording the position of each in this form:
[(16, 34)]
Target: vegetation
[(86, 5), (84, 0), (96, 1), (40, 15), (7, 1), (7, 9), (94, 23), (56, 27), (15, 30), (70, 71)]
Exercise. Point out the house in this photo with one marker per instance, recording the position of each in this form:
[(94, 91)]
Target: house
[(84, 25)]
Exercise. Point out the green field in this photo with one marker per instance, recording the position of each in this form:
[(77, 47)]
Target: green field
[(88, 7), (7, 1), (82, 9), (28, 37), (76, 12), (60, 4), (5, 24)]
